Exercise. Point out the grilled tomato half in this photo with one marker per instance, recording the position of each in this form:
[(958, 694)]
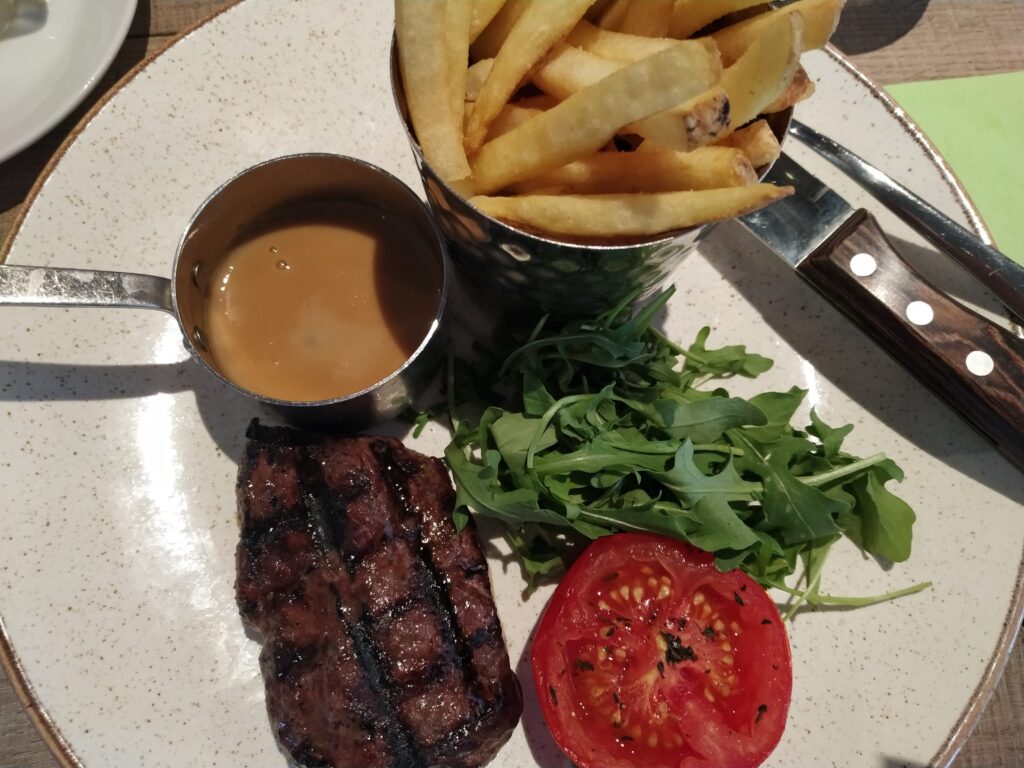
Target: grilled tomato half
[(647, 655)]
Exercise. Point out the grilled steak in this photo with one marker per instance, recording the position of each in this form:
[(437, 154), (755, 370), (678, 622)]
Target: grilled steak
[(381, 643)]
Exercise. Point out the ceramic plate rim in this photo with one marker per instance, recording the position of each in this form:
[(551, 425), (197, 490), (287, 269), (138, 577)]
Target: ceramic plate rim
[(955, 739)]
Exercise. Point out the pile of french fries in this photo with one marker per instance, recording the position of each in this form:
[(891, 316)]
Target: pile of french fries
[(605, 118)]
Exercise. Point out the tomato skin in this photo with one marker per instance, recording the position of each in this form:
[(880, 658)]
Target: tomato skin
[(647, 655)]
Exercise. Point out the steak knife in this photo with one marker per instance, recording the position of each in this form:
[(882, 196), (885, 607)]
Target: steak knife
[(976, 366)]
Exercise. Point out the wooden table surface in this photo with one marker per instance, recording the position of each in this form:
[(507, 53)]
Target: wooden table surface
[(892, 42)]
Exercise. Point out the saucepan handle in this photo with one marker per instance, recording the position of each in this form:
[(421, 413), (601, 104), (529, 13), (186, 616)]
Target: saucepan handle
[(975, 365), (53, 286)]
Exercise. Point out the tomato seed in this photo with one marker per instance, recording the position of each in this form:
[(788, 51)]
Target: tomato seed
[(638, 594), (698, 598), (664, 592), (652, 740)]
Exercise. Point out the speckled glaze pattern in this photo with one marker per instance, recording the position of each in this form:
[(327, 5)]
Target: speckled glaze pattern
[(117, 453)]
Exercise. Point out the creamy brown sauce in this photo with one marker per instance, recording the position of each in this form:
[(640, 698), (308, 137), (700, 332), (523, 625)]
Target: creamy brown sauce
[(322, 302)]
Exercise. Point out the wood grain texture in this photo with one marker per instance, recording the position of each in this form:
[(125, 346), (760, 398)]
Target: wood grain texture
[(953, 38), (891, 40), (937, 349)]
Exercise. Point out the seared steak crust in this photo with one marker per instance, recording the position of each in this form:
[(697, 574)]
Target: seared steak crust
[(381, 643)]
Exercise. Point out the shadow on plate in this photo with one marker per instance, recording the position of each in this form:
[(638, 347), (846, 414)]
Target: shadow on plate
[(225, 413), (843, 355), (543, 748), (895, 762)]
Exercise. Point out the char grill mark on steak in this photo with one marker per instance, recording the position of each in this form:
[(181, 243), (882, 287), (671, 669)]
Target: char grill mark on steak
[(381, 643), (293, 588)]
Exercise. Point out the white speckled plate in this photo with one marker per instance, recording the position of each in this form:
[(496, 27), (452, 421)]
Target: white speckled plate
[(117, 453), (53, 54)]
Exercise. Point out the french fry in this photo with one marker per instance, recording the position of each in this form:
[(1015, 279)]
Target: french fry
[(622, 172), (820, 18), (800, 87), (613, 14), (628, 215), (483, 12), (649, 18), (764, 70), (489, 41), (588, 119), (686, 126), (541, 25), (612, 75), (475, 77), (689, 16), (420, 31), (615, 45), (510, 118), (568, 70), (458, 14), (757, 141)]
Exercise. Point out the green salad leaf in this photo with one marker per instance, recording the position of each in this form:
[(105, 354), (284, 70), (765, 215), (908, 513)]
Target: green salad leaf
[(606, 425)]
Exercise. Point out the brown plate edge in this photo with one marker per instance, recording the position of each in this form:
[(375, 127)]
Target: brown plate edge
[(61, 749)]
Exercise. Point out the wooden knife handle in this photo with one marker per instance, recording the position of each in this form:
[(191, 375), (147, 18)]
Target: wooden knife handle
[(973, 364)]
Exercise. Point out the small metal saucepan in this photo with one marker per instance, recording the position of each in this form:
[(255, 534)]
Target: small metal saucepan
[(220, 221)]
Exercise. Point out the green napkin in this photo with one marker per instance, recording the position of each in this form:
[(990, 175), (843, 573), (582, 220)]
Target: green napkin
[(977, 123)]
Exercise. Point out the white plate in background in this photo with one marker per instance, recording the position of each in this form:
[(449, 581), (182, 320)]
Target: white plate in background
[(52, 56)]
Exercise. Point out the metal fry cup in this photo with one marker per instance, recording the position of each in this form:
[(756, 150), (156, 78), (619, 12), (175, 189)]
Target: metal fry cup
[(532, 273)]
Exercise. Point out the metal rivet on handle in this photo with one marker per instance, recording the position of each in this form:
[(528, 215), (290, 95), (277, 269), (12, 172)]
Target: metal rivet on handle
[(920, 312), (980, 363), (863, 264)]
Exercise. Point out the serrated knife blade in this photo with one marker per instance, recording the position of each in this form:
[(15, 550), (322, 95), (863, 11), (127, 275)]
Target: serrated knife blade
[(976, 366)]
